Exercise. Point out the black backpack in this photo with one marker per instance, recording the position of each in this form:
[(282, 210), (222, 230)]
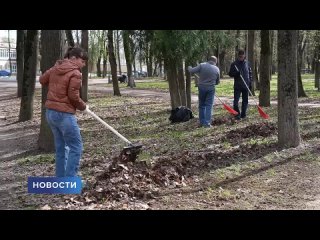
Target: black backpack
[(181, 114)]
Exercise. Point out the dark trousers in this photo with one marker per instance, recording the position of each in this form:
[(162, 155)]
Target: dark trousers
[(245, 94)]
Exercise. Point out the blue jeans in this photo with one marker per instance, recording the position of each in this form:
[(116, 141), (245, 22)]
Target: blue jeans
[(244, 106), (206, 98), (67, 140)]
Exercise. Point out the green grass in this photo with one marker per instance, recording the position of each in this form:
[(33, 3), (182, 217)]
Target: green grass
[(37, 159), (156, 85), (225, 88)]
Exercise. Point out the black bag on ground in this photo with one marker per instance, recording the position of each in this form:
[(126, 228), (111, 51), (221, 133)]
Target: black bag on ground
[(181, 114)]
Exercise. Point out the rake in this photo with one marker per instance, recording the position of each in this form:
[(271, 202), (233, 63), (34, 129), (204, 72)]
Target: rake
[(130, 152), (227, 107), (261, 112)]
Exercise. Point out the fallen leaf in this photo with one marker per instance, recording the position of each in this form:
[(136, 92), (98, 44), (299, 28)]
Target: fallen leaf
[(124, 167), (46, 207)]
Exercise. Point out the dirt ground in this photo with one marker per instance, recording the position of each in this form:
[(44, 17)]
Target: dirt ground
[(231, 166)]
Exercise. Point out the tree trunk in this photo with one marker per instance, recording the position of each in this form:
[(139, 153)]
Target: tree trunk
[(301, 92), (301, 47), (251, 57), (316, 62), (288, 122), (273, 53), (222, 62), (257, 74), (118, 51), (149, 61), (188, 84), (317, 74), (70, 39), (127, 53), (104, 71), (271, 32), (99, 67), (156, 69), (313, 64), (29, 75), (78, 38), (85, 46), (237, 47), (173, 84), (182, 84), (20, 60), (264, 96), (113, 64), (52, 45), (132, 50), (160, 69), (9, 43)]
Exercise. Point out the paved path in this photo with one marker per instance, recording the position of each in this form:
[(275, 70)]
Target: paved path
[(8, 87)]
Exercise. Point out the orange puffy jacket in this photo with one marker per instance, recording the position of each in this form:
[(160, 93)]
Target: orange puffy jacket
[(64, 82)]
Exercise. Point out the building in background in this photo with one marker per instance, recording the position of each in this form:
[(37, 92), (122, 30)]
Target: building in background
[(5, 59)]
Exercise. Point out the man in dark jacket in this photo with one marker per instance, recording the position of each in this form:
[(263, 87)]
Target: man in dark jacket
[(239, 68)]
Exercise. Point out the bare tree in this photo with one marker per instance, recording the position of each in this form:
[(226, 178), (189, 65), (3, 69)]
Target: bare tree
[(29, 75), (188, 84), (9, 43), (52, 45), (302, 40), (288, 121), (128, 55), (181, 83), (113, 64), (251, 57), (118, 50), (78, 38), (264, 96), (20, 60), (70, 39), (85, 46)]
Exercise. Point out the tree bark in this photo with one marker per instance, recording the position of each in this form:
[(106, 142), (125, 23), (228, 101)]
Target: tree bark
[(52, 45), (317, 74), (288, 122), (127, 53), (182, 84), (173, 83), (20, 60), (84, 70), (118, 51), (29, 75), (301, 46), (9, 43), (99, 66), (264, 96), (251, 57), (113, 64), (70, 39), (104, 69), (237, 47), (188, 84), (222, 55)]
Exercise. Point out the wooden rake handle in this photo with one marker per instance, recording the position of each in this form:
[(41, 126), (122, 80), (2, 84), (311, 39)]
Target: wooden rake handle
[(107, 125)]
